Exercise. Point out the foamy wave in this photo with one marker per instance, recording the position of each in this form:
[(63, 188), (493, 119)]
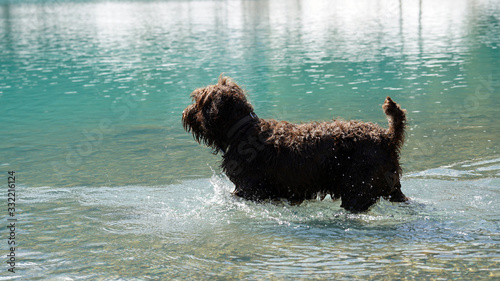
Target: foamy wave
[(473, 169)]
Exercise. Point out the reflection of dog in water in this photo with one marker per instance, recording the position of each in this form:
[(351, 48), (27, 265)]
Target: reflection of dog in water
[(268, 159)]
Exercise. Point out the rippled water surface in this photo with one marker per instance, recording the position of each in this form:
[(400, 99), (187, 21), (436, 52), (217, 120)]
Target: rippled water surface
[(110, 187)]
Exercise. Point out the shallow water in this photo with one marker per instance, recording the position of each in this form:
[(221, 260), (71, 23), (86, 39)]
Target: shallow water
[(196, 229), (110, 187)]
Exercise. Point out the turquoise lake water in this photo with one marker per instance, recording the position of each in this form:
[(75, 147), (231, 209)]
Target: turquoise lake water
[(110, 187)]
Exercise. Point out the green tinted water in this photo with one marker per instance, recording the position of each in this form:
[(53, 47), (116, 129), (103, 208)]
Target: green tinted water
[(110, 186)]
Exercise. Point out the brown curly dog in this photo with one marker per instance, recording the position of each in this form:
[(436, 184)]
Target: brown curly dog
[(268, 159)]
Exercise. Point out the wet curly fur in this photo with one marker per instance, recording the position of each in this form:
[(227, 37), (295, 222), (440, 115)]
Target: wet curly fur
[(268, 159)]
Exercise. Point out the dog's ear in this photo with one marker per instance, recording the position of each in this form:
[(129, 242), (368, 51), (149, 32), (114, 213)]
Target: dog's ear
[(234, 97)]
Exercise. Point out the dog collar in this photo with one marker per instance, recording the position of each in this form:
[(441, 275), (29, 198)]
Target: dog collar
[(239, 128), (238, 125)]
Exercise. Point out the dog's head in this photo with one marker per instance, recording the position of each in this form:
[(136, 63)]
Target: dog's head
[(215, 110)]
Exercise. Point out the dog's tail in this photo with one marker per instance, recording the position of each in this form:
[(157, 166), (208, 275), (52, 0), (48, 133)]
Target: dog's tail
[(397, 122)]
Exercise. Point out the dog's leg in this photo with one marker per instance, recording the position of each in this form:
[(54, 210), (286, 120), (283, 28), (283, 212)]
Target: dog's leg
[(247, 193), (252, 191), (334, 195), (359, 190), (398, 196), (357, 203)]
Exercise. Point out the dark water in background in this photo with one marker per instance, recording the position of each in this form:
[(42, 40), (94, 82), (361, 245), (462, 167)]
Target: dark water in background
[(111, 187)]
